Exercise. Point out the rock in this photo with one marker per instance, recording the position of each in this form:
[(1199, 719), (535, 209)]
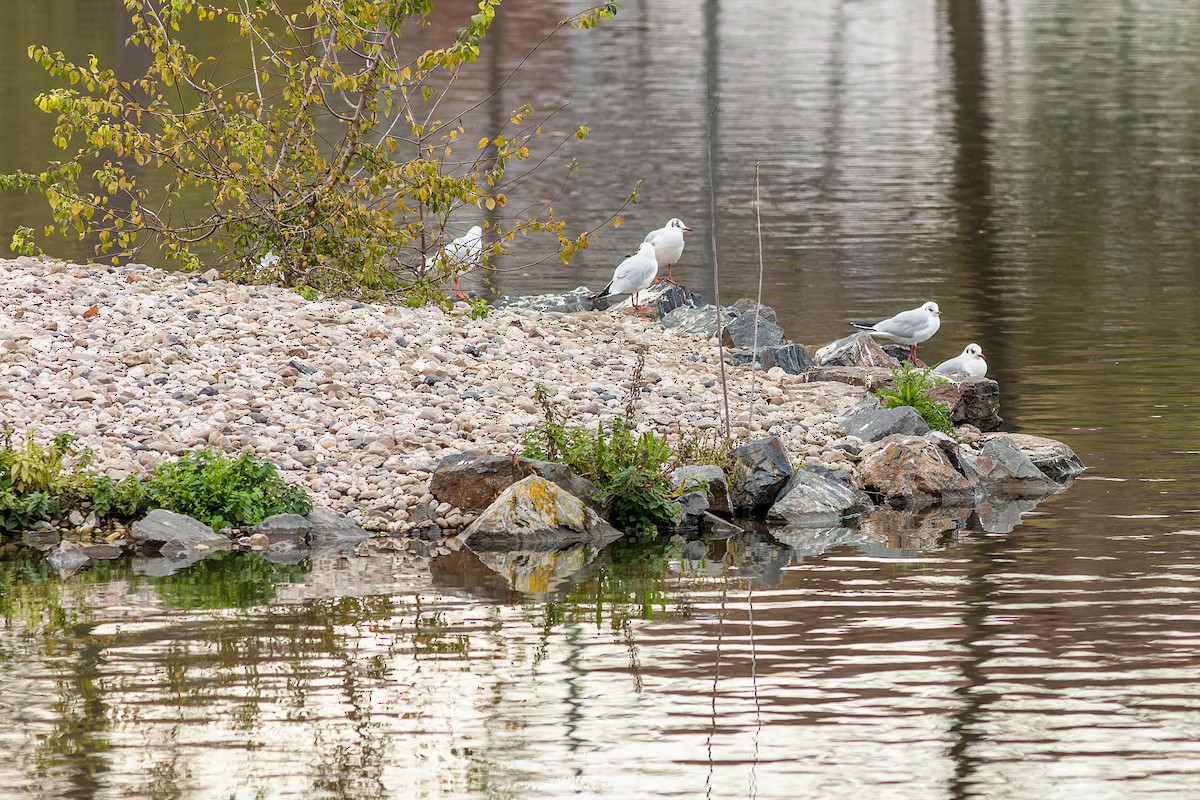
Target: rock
[(258, 541), (332, 531), (535, 511), (870, 378), (472, 481), (162, 529), (42, 538), (748, 306), (1003, 469), (102, 552), (694, 504), (972, 401), (740, 332), (698, 321), (710, 479), (758, 472), (67, 559), (873, 424), (676, 296), (1056, 460), (791, 358), (817, 497), (569, 302), (283, 526), (856, 350), (911, 470)]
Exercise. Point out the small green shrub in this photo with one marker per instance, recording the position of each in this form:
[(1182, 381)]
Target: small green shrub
[(912, 389), (631, 471), (125, 498), (38, 481), (223, 492)]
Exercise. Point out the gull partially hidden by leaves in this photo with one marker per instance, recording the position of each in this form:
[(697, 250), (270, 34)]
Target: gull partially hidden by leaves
[(668, 244), (632, 275), (462, 255), (908, 327), (971, 362)]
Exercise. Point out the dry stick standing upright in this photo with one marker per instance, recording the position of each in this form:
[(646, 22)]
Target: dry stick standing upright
[(712, 234), (758, 299)]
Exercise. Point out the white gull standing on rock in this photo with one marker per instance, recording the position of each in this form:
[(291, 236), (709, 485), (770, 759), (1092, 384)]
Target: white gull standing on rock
[(632, 275), (971, 362), (462, 255), (908, 327), (668, 243)]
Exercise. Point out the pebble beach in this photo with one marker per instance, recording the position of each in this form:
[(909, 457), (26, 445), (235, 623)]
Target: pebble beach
[(357, 402)]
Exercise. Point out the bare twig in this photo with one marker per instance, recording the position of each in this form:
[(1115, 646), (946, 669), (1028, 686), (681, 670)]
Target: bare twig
[(758, 299), (712, 207)]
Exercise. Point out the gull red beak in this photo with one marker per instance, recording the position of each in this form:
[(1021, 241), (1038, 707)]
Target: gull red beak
[(686, 228)]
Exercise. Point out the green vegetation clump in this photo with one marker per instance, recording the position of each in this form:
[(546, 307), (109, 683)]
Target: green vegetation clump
[(223, 492), (45, 482), (632, 471), (912, 389)]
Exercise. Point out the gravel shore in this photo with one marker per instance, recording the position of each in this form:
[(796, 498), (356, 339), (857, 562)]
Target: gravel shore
[(357, 402)]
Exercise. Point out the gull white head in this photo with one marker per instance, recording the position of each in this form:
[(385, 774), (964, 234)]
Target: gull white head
[(932, 308), (973, 351), (676, 222)]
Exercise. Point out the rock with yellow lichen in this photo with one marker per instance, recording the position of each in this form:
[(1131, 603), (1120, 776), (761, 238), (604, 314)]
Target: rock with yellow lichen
[(534, 512)]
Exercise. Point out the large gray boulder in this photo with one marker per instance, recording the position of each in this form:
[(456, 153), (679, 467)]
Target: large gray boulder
[(911, 470), (472, 481), (698, 321), (1055, 459), (535, 513), (68, 558), (870, 378), (758, 471), (1000, 467), (791, 358), (816, 497), (284, 526), (707, 478), (166, 530), (873, 424)]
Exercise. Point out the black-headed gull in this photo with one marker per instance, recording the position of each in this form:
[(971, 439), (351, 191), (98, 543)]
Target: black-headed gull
[(971, 362), (632, 275), (462, 255), (668, 243), (908, 327)]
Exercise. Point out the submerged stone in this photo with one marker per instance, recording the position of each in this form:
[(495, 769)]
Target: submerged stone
[(536, 511), (758, 472)]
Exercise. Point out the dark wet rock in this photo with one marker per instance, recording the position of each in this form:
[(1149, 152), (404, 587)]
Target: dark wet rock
[(911, 470), (174, 533), (42, 539), (332, 531), (472, 481), (675, 296), (971, 401), (694, 504), (67, 559), (698, 321), (709, 479), (1001, 468), (1055, 459), (283, 526), (871, 378), (817, 497), (791, 358), (856, 350), (714, 528), (103, 552), (536, 512), (873, 424), (740, 332), (758, 472)]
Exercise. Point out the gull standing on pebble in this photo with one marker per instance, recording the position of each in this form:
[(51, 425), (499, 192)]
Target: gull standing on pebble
[(908, 327), (971, 362), (462, 254), (632, 275), (668, 243)]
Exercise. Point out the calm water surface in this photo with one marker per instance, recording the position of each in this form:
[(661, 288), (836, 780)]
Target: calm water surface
[(1034, 166)]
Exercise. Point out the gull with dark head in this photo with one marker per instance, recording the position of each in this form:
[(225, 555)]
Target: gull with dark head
[(908, 327), (668, 243), (971, 362), (632, 275)]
